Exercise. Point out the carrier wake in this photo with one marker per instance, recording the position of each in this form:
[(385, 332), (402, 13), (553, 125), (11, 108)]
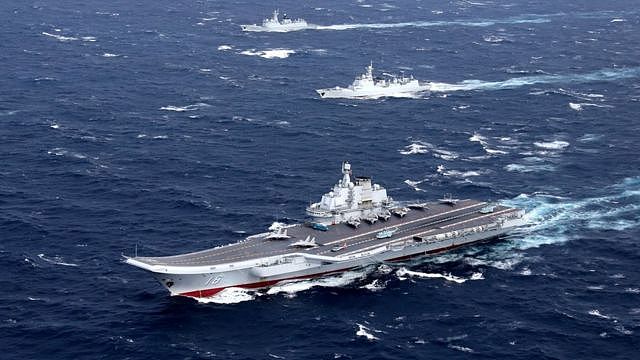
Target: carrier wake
[(354, 225)]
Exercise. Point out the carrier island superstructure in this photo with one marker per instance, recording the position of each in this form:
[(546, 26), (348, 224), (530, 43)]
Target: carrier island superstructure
[(356, 224)]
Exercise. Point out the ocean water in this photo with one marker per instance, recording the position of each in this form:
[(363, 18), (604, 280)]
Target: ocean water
[(159, 125)]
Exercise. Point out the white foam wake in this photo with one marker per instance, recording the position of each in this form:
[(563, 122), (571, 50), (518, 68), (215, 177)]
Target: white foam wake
[(427, 87), (230, 296), (418, 24), (403, 273), (600, 75), (551, 220), (287, 288), (554, 219), (291, 288)]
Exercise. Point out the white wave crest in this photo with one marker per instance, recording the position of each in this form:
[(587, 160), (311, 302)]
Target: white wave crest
[(483, 141), (57, 260), (456, 173), (270, 53), (415, 148), (521, 168), (414, 184), (185, 108), (363, 331), (581, 106), (460, 348), (597, 313), (60, 37), (552, 145)]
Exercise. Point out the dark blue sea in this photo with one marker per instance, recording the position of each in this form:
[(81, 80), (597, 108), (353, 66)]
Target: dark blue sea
[(160, 125)]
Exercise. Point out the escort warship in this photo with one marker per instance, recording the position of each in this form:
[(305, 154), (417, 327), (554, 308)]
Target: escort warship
[(274, 24), (367, 86), (354, 225)]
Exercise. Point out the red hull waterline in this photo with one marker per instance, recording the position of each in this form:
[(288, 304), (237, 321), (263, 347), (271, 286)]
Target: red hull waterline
[(264, 284)]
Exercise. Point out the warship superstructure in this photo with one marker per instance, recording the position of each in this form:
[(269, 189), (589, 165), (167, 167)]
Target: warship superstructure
[(332, 243), (275, 24), (369, 87)]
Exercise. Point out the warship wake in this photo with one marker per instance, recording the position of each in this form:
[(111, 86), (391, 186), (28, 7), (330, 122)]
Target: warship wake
[(356, 224)]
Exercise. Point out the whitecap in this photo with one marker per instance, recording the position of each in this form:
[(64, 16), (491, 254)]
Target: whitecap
[(590, 137), (456, 173), (445, 154), (60, 37), (521, 168), (552, 145), (270, 53), (185, 108), (580, 106), (110, 55), (597, 313), (64, 152), (415, 148), (225, 47), (363, 331), (414, 184), (57, 260), (478, 138), (493, 39), (460, 348), (495, 152), (621, 329)]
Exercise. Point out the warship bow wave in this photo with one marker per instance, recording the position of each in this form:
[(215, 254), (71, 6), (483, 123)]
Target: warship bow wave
[(331, 244), (366, 86), (274, 24)]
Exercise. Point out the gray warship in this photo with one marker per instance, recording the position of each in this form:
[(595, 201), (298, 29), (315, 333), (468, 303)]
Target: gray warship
[(354, 225)]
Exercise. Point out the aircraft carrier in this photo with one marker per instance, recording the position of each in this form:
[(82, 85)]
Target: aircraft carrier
[(354, 225)]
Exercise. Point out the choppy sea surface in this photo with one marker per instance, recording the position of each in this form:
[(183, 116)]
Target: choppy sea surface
[(161, 125)]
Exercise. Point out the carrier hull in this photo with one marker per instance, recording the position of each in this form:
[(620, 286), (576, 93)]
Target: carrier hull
[(258, 262)]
